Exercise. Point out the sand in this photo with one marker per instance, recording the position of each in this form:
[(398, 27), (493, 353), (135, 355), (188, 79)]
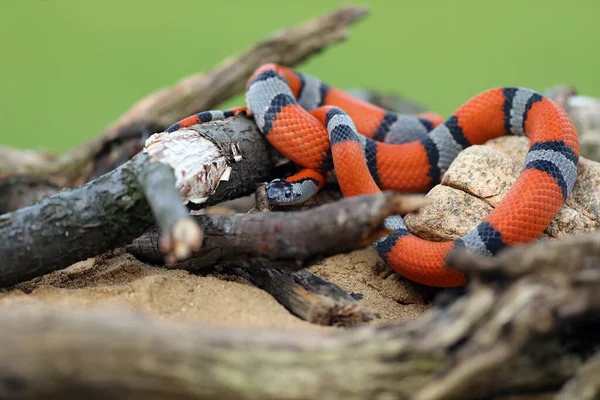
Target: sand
[(118, 280)]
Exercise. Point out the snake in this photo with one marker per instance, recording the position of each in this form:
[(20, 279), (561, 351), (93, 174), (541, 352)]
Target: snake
[(323, 129)]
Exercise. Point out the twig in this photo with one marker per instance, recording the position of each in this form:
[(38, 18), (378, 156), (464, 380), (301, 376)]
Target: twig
[(181, 235), (115, 208), (585, 385), (191, 95), (286, 240), (261, 203), (569, 253), (305, 295), (526, 336)]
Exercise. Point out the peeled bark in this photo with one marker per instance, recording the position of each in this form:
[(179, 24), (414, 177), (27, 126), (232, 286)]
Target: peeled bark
[(117, 207)]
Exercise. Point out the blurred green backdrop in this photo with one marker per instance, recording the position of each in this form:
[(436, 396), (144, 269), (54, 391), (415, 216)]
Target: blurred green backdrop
[(70, 67)]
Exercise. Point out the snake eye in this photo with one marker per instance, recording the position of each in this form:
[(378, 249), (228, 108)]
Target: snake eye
[(288, 194)]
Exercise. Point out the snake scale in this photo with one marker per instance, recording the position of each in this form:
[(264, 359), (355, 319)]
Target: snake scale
[(321, 128)]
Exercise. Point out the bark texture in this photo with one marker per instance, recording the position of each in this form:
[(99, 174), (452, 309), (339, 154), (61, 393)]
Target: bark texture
[(526, 324), (305, 295), (114, 209), (285, 240), (73, 225)]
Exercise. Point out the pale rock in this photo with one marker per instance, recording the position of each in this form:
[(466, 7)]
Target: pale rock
[(479, 178), (452, 214)]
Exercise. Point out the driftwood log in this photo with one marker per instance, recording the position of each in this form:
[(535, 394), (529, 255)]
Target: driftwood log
[(257, 246), (114, 209), (285, 240), (305, 295), (119, 205), (526, 328), (230, 159)]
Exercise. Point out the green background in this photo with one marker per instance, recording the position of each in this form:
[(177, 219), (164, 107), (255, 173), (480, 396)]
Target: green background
[(69, 68)]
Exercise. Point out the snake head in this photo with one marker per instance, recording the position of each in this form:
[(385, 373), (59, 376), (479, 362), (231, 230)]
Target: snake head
[(283, 193)]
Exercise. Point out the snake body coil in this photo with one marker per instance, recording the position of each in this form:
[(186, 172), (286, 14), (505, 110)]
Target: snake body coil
[(321, 128)]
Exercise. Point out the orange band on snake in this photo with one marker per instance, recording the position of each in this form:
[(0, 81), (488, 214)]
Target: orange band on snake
[(370, 149)]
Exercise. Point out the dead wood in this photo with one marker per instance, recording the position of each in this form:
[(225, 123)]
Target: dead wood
[(117, 207), (181, 235), (244, 239), (305, 295), (524, 327), (266, 242), (585, 385), (200, 92), (18, 191), (73, 225), (261, 204), (285, 240)]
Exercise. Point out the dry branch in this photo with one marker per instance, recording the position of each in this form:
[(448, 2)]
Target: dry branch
[(180, 232), (525, 327), (115, 208), (267, 242), (585, 385), (578, 252), (191, 95), (286, 240), (518, 335), (20, 191), (305, 295)]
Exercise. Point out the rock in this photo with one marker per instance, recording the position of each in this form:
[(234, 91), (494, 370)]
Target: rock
[(479, 178), (453, 214)]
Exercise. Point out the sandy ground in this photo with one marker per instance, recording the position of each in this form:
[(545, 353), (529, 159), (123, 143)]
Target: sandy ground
[(118, 280)]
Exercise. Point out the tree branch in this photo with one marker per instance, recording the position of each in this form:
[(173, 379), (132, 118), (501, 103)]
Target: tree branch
[(494, 342), (115, 208), (585, 385), (305, 295), (285, 240), (191, 95)]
